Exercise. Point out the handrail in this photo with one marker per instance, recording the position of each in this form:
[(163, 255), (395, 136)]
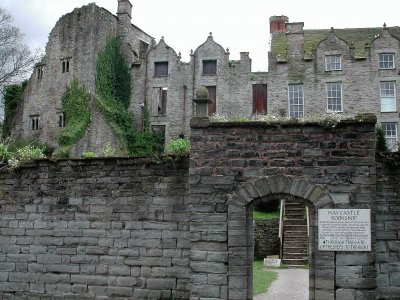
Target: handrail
[(308, 222), (281, 214)]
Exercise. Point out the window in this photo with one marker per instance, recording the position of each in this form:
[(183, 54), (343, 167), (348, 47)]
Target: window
[(334, 96), (143, 47), (386, 61), (159, 105), (65, 65), (161, 68), (61, 120), (212, 93), (333, 62), (296, 101), (39, 72), (390, 130), (259, 98), (210, 67), (34, 122), (388, 96)]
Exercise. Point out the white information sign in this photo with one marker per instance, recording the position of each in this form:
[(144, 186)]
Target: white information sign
[(344, 229)]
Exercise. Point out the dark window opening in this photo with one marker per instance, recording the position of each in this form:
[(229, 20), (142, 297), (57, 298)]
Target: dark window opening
[(61, 120), (39, 72), (210, 67), (65, 65), (159, 105), (161, 68), (212, 93), (35, 123), (143, 47), (259, 98)]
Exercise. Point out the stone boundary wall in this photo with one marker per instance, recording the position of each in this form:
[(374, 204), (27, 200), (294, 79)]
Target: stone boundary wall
[(388, 230), (99, 228), (266, 237)]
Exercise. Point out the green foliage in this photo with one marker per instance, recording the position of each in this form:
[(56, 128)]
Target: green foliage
[(113, 78), (265, 214), (75, 105), (262, 279), (179, 147), (5, 153), (12, 96), (113, 87), (381, 144), (88, 154), (12, 153)]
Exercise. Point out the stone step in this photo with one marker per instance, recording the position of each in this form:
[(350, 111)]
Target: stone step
[(295, 222), (295, 250), (295, 262), (299, 233), (294, 228)]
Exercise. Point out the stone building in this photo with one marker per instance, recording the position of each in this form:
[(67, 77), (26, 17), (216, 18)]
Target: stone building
[(310, 71)]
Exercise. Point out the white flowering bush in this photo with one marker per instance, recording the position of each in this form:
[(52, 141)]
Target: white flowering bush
[(218, 118)]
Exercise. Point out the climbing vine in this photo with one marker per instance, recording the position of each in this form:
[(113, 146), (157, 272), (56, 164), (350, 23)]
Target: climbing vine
[(12, 96), (75, 106), (113, 88)]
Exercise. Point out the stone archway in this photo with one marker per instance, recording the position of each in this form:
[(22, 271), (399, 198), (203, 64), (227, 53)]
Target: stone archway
[(240, 233)]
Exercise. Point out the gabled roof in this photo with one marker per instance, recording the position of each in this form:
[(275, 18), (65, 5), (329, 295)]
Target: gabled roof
[(357, 38)]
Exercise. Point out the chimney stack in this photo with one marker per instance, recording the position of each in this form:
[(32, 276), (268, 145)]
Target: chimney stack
[(278, 23)]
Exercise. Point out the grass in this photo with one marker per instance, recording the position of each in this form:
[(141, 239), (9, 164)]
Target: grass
[(262, 279), (265, 214)]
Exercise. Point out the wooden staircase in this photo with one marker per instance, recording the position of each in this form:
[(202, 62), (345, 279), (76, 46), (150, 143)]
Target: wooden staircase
[(295, 235)]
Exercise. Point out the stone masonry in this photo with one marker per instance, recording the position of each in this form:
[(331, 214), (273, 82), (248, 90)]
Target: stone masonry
[(122, 228), (297, 57)]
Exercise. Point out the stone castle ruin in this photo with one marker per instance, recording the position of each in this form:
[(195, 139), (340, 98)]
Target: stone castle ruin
[(310, 71)]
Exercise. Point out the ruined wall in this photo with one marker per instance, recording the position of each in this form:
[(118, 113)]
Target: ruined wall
[(75, 39), (95, 228), (388, 230)]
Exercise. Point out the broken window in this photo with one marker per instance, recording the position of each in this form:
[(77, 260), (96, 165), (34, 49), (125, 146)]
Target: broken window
[(161, 68), (210, 67), (39, 71), (143, 47), (65, 65), (159, 105), (61, 120), (34, 122)]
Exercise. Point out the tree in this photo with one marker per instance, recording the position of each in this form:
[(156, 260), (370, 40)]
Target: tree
[(16, 60)]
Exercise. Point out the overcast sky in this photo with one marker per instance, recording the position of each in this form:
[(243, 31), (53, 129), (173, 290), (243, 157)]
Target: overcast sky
[(241, 26)]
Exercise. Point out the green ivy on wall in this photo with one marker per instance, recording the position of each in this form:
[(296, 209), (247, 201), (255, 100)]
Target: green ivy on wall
[(113, 88), (12, 96), (75, 106)]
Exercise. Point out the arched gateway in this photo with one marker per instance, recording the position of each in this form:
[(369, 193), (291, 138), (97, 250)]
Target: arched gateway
[(240, 228), (234, 165)]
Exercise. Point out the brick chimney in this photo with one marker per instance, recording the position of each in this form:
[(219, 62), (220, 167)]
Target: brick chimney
[(277, 23)]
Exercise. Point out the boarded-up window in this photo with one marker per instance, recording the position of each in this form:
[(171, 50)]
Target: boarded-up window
[(259, 98), (210, 67), (212, 93), (161, 68), (159, 104)]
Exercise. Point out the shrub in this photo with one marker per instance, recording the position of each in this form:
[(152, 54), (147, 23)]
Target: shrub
[(381, 144), (179, 147), (88, 154)]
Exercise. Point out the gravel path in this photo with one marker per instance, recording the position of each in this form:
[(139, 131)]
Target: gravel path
[(291, 284)]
